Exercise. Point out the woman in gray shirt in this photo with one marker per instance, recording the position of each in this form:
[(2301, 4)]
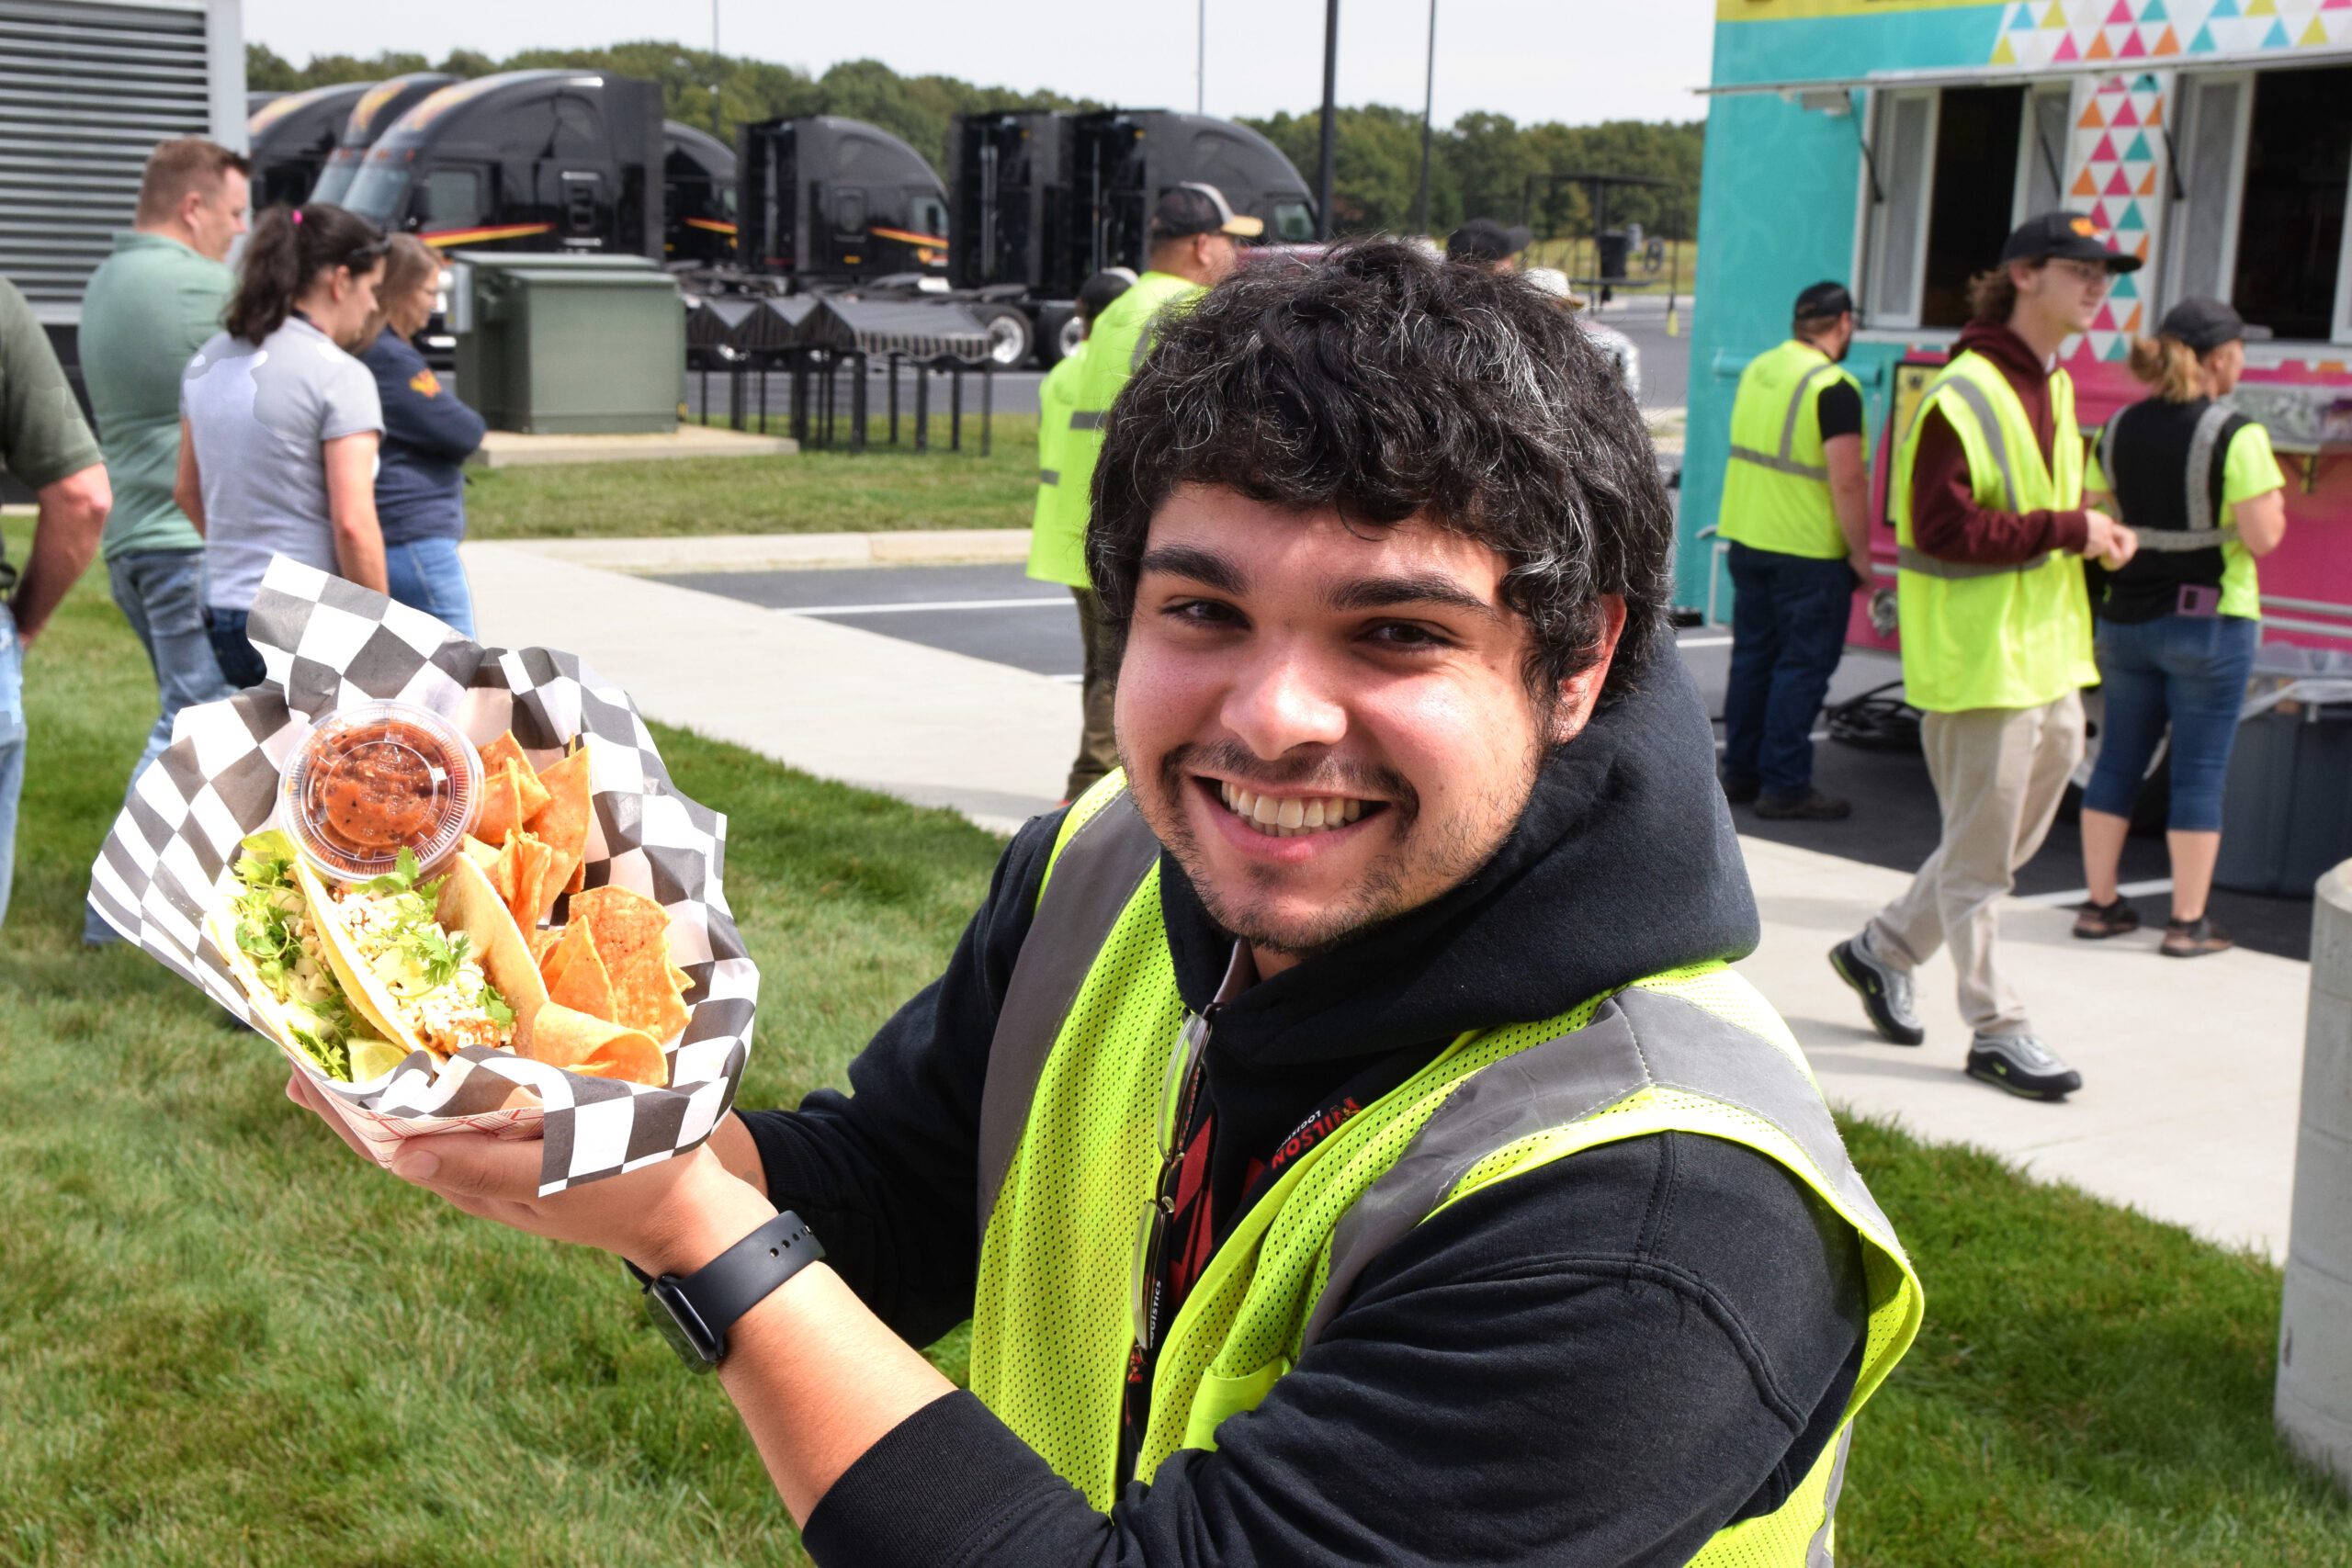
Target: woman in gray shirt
[(279, 423)]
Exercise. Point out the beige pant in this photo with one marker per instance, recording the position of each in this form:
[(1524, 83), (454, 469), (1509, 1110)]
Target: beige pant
[(1098, 751), (1999, 773)]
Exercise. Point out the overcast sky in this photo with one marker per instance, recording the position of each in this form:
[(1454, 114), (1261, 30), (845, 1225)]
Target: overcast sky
[(1574, 60)]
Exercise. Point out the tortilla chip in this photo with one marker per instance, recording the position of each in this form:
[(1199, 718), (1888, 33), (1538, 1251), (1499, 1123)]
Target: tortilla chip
[(503, 750), (542, 941), (582, 984), (501, 805), (558, 953), (632, 935), (594, 1047), (530, 861), (562, 823), (679, 981)]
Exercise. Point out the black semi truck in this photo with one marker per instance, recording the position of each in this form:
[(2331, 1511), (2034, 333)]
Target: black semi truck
[(698, 198), (827, 200), (378, 110), (290, 137), (1043, 200)]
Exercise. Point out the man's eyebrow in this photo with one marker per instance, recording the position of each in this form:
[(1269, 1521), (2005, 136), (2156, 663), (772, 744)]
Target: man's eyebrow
[(1201, 566), (1409, 588)]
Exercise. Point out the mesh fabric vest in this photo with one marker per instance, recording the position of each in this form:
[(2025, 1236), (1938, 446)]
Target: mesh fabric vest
[(1994, 637), (1068, 1162), (1776, 487), (1117, 344)]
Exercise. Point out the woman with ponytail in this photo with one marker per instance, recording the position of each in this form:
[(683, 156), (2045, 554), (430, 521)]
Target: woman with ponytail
[(279, 423), (2179, 624)]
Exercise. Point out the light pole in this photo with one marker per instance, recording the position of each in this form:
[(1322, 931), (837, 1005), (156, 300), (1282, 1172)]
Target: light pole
[(1200, 61), (1331, 114), (1429, 106), (717, 68)]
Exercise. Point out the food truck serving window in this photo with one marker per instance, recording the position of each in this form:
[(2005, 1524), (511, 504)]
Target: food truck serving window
[(1953, 170), (2264, 170)]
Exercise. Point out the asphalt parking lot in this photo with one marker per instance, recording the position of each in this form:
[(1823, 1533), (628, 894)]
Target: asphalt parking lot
[(996, 613)]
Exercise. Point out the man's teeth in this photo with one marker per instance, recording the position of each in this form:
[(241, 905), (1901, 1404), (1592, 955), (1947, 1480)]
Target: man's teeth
[(1291, 818)]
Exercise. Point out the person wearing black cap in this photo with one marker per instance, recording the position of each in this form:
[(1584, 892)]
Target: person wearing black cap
[(1793, 510), (1991, 534), (1057, 534), (2200, 489), (1483, 242)]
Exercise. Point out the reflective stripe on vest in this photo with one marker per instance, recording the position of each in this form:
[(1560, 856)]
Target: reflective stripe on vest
[(1067, 1159), (1776, 487), (2010, 636)]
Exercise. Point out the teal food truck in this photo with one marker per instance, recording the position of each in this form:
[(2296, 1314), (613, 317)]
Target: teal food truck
[(1891, 144)]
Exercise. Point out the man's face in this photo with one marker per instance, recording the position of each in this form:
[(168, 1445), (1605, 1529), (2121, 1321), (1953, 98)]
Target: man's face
[(1327, 727), (2065, 289), (218, 217)]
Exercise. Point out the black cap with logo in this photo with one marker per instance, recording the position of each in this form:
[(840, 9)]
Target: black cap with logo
[(2069, 235), (1194, 208)]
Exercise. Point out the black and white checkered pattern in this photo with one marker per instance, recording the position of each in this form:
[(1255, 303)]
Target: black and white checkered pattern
[(328, 644)]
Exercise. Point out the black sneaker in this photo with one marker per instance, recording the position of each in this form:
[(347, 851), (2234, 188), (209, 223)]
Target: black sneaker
[(1811, 807), (2021, 1065), (1739, 790), (1885, 989)]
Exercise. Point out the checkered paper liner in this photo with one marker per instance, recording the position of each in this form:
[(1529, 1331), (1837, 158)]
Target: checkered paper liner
[(330, 644)]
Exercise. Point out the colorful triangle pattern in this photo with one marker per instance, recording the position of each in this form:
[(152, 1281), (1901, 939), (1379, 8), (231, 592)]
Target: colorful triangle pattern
[(2038, 34)]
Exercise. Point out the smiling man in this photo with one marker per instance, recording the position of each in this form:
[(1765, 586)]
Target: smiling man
[(1341, 1128)]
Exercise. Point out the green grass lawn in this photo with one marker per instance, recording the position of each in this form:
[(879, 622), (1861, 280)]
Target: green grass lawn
[(223, 1340), (807, 492)]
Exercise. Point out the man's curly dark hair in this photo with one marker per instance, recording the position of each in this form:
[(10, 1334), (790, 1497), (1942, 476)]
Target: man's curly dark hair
[(1383, 382)]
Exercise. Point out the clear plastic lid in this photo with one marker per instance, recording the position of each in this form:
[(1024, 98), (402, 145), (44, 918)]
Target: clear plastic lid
[(373, 780)]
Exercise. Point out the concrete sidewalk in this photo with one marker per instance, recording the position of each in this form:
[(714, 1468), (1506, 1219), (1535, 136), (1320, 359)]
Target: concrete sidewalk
[(2192, 1068)]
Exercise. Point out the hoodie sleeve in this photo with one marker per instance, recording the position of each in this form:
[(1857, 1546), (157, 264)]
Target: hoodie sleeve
[(1603, 1362), (1948, 523), (419, 410), (887, 1173)]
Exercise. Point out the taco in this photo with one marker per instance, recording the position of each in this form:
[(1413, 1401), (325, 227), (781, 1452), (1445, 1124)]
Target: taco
[(439, 967), (266, 935)]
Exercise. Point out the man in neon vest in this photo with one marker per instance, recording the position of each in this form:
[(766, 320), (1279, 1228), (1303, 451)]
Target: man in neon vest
[(1341, 1129), (1992, 534), (1793, 509), (1057, 536)]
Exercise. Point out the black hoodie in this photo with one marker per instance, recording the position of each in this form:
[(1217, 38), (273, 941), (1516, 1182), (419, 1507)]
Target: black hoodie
[(1604, 1360)]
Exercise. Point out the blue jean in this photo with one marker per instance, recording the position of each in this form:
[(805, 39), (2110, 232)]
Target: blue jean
[(2191, 669), (161, 593), (12, 748), (426, 573), (1787, 632)]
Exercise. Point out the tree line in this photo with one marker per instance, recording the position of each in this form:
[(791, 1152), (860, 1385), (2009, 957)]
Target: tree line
[(1482, 166)]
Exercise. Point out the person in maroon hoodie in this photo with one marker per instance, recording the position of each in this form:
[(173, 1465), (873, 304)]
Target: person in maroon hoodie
[(1996, 635)]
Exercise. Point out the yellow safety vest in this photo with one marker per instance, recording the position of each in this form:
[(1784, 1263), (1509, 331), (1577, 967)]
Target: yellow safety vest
[(1056, 529), (1994, 637), (1070, 1161), (1776, 487), (1121, 336)]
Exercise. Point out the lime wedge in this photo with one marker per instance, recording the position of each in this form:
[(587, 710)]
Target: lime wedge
[(371, 1059)]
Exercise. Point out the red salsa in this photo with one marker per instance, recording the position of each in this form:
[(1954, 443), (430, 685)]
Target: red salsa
[(375, 780)]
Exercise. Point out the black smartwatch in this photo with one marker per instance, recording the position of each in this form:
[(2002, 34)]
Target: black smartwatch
[(694, 1312)]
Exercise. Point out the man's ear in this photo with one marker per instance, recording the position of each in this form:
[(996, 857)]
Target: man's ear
[(1580, 692)]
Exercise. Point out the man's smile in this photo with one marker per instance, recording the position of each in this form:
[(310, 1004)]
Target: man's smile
[(1289, 816)]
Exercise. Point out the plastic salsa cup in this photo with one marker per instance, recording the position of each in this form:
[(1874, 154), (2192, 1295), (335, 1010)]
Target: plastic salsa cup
[(374, 780)]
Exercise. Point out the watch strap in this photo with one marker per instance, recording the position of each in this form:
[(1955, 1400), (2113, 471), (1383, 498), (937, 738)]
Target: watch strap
[(744, 1276)]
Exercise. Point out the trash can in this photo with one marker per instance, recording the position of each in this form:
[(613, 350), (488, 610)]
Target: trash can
[(2287, 811), (1609, 247), (563, 344)]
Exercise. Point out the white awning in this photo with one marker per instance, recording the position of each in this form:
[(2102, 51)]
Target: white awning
[(1997, 75)]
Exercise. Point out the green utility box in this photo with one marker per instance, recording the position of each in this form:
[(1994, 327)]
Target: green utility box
[(558, 343)]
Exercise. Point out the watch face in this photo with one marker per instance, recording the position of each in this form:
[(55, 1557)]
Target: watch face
[(684, 1331)]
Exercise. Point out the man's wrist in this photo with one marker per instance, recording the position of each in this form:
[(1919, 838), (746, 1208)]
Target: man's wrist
[(708, 1213)]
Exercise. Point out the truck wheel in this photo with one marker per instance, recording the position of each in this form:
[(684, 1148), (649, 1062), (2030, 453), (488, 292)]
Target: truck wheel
[(1059, 331), (1010, 335)]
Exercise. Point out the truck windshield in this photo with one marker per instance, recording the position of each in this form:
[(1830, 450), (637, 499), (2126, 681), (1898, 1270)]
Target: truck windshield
[(334, 180), (377, 193), (1293, 222)]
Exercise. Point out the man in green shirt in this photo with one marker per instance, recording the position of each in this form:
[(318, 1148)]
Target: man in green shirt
[(44, 446), (1195, 242), (148, 309)]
